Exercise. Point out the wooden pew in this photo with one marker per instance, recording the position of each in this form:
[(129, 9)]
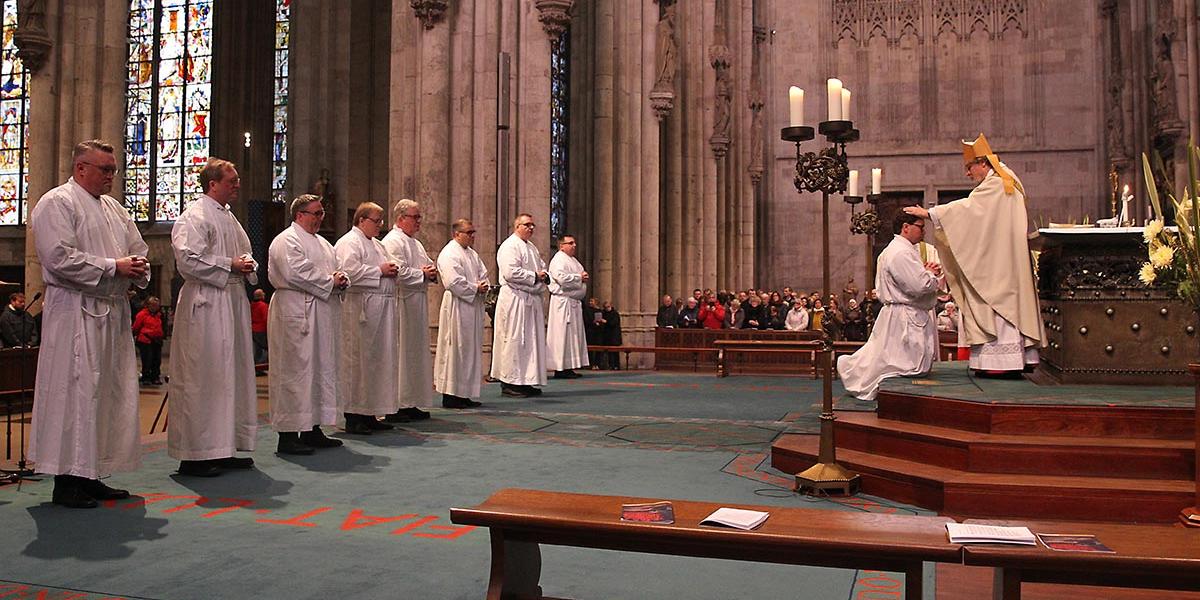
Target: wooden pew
[(520, 520), (697, 353), (807, 349), (1146, 556)]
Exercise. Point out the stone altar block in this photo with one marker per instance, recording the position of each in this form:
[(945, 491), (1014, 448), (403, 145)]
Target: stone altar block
[(1103, 326)]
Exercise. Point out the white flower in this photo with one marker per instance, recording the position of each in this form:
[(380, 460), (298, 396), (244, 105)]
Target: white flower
[(1147, 274), (1162, 256), (1153, 228)]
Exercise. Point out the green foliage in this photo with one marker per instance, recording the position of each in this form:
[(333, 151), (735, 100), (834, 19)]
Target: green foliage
[(1179, 266)]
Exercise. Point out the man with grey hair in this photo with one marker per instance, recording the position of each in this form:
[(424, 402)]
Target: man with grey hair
[(85, 411), (412, 319), (566, 339), (213, 400), (519, 341), (302, 330)]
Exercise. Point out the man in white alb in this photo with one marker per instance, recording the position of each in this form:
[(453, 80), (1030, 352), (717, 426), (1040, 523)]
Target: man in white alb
[(303, 330), (213, 403), (368, 335), (85, 414), (456, 370), (519, 327), (904, 340), (417, 273), (566, 340)]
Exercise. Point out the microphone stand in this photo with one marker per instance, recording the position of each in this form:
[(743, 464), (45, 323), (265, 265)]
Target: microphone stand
[(22, 472)]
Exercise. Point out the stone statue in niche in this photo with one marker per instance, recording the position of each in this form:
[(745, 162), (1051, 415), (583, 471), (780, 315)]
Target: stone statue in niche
[(1165, 113), (32, 41), (662, 95)]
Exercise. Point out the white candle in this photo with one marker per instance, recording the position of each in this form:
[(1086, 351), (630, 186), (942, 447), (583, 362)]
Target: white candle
[(1126, 192), (853, 187), (845, 104), (876, 179), (796, 102), (834, 90)]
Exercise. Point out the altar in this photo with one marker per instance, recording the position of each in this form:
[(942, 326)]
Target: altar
[(1102, 324)]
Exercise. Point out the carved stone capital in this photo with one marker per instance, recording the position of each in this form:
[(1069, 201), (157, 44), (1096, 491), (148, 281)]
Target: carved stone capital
[(32, 41), (662, 101), (430, 11), (555, 15)]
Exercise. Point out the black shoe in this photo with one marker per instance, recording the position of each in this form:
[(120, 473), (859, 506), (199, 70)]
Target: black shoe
[(449, 401), (471, 403), (199, 468), (563, 374), (574, 374), (68, 492), (511, 392), (355, 424), (414, 413), (317, 439), (289, 443), (398, 417), (531, 391), (234, 462), (96, 489), (376, 424)]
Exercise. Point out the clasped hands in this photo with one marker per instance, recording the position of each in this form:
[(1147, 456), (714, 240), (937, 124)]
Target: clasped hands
[(934, 268), (132, 267)]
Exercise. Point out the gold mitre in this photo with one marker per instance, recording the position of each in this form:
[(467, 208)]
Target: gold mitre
[(981, 149)]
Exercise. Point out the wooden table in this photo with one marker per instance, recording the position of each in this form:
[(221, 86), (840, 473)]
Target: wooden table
[(1147, 556), (520, 520)]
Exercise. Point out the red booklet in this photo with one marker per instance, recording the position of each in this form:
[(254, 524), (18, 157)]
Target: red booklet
[(660, 513), (1073, 542)]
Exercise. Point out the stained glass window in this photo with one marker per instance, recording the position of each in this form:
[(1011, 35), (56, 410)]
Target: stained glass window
[(166, 128), (14, 124), (560, 63), (283, 13)]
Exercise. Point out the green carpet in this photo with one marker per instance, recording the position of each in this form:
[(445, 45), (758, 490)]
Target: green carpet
[(371, 519)]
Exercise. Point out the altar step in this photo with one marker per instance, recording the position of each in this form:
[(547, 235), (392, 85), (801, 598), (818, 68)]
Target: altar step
[(1102, 456), (1034, 419), (963, 493)]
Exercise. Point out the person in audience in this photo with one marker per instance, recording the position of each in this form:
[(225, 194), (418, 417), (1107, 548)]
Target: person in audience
[(698, 296), (735, 315), (947, 319), (258, 327), (776, 318), (834, 319), (612, 334), (17, 327), (742, 297), (667, 314), (855, 329), (776, 300), (816, 316), (417, 272), (904, 341), (594, 330), (756, 314), (519, 340), (689, 317), (849, 291), (871, 305), (711, 314), (797, 318), (148, 337)]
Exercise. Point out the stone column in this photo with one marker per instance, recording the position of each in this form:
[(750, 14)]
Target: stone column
[(79, 94)]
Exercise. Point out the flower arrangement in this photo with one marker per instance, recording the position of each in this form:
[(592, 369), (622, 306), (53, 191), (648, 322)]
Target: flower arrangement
[(1174, 253)]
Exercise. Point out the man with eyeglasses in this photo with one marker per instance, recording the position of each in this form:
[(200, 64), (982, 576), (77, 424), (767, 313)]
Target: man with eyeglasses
[(457, 368), (303, 325), (983, 239), (416, 274), (566, 339), (368, 324), (519, 340), (213, 399), (904, 341), (85, 419)]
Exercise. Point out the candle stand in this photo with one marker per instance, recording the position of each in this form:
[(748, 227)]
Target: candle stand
[(826, 172)]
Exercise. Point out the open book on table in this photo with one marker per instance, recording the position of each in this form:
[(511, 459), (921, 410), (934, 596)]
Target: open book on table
[(965, 533)]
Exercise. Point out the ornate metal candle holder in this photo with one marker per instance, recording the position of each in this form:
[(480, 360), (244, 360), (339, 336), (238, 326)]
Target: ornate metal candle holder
[(827, 172)]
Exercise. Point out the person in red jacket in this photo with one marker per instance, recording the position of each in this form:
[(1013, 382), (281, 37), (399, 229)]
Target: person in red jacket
[(148, 337), (258, 327), (712, 313)]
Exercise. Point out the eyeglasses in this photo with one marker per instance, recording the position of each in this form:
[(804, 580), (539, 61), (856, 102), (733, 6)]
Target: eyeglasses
[(527, 225), (375, 220), (413, 217), (468, 232), (103, 169), (315, 213)]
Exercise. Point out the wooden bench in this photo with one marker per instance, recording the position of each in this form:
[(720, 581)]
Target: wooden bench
[(1146, 556), (520, 520), (696, 352), (808, 349)]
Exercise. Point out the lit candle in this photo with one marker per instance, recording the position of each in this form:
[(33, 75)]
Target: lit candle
[(796, 102), (1126, 192), (853, 187), (834, 90), (876, 179), (845, 104)]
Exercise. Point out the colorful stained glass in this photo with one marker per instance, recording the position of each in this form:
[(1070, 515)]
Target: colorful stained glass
[(167, 118), (560, 86), (14, 123), (283, 13)]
